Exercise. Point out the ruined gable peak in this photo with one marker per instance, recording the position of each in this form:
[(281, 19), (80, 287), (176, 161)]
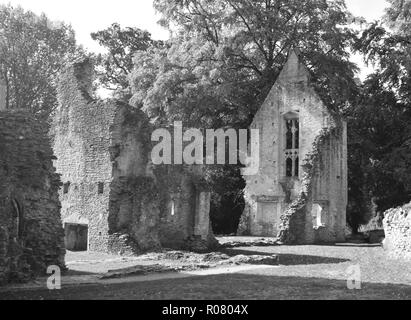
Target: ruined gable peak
[(83, 71), (294, 71), (75, 80)]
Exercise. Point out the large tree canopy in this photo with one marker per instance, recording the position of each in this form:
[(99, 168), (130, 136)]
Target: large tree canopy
[(33, 50), (399, 15), (380, 122), (121, 44), (225, 55)]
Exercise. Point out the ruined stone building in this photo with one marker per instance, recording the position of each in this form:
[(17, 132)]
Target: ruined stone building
[(300, 191), (31, 234), (113, 199)]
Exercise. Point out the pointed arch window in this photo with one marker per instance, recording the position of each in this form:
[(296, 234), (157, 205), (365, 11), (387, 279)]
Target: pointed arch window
[(292, 145), (18, 217)]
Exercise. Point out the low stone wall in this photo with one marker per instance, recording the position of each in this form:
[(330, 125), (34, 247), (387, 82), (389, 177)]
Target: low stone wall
[(397, 226)]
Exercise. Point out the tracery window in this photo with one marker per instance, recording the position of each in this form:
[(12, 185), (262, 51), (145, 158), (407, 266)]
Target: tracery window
[(292, 145)]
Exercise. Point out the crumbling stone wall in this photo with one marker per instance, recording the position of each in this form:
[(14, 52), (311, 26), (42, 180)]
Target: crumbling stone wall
[(300, 223), (289, 206), (397, 227), (110, 186), (185, 209), (100, 146), (31, 234)]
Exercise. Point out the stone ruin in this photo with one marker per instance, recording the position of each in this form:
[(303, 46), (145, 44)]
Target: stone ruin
[(113, 199), (31, 234), (300, 191), (397, 228)]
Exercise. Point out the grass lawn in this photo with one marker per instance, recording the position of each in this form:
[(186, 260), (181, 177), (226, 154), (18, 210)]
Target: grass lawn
[(304, 272)]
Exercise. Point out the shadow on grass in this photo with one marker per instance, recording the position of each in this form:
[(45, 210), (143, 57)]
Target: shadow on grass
[(288, 259), (358, 245), (222, 287), (71, 272)]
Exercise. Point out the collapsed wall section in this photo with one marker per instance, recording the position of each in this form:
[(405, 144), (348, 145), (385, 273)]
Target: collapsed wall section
[(81, 139), (133, 208)]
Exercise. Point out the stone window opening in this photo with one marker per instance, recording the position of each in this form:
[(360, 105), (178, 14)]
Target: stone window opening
[(318, 212), (18, 217), (66, 187), (292, 147), (100, 187), (173, 208)]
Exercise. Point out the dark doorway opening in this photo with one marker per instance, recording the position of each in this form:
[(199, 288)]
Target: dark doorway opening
[(76, 237)]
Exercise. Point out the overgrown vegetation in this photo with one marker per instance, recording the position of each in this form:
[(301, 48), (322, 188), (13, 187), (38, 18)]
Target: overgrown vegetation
[(294, 218)]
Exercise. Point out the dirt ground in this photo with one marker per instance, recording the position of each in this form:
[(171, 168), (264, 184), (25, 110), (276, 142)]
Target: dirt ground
[(265, 271)]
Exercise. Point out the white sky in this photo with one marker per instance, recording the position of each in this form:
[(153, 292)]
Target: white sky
[(88, 16)]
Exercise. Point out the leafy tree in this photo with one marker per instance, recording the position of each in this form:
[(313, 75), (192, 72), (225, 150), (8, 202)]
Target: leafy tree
[(33, 50), (399, 15), (377, 128), (225, 56), (380, 130), (121, 44), (390, 54)]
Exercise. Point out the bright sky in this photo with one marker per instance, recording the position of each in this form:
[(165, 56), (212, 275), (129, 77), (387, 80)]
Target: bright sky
[(87, 16)]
